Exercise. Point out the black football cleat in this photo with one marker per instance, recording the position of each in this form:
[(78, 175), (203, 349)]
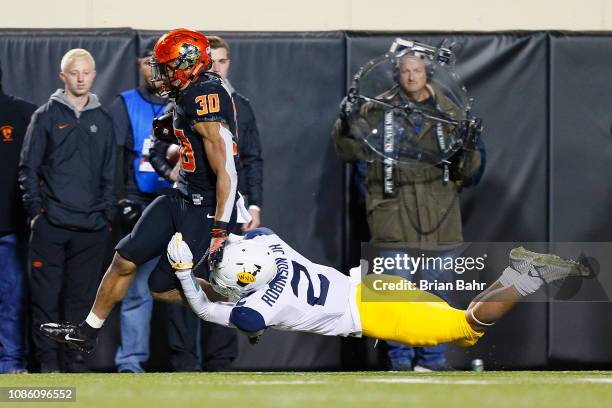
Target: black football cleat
[(70, 334)]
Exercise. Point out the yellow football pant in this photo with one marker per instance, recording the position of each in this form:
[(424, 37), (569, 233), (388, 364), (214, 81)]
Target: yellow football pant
[(426, 322)]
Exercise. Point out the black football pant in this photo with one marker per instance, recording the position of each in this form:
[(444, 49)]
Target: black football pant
[(65, 271), (149, 238)]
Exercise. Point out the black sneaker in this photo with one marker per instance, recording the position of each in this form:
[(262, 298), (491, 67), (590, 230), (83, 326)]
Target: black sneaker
[(70, 334)]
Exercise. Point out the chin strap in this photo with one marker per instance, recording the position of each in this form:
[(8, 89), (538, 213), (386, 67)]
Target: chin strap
[(194, 73)]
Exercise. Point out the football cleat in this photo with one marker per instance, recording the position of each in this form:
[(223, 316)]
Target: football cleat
[(70, 334), (548, 267)]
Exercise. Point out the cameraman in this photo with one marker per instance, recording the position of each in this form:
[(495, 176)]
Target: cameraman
[(416, 205)]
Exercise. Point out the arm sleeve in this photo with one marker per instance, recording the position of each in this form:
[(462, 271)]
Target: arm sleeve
[(348, 148), (250, 156), (218, 313), (157, 158), (120, 171), (32, 154), (28, 110), (123, 136), (476, 164), (108, 176)]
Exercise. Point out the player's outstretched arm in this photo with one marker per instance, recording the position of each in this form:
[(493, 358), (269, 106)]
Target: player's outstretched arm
[(220, 155), (181, 259)]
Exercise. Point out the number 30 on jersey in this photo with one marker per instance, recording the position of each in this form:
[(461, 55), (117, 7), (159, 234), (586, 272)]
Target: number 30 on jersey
[(208, 104)]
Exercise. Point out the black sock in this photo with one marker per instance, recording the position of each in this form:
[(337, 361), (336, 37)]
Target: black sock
[(88, 330)]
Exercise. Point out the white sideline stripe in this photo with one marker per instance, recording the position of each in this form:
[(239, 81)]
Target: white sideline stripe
[(282, 382), (428, 381), (595, 380), (485, 382), (405, 380)]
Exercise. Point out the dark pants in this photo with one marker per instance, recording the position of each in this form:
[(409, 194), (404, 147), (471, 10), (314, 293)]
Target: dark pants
[(65, 270), (219, 346), (13, 348), (184, 339), (403, 357)]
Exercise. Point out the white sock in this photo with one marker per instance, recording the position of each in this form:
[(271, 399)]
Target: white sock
[(526, 285), (508, 277), (94, 321)]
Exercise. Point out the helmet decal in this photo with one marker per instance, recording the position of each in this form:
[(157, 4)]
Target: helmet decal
[(188, 56), (246, 277)]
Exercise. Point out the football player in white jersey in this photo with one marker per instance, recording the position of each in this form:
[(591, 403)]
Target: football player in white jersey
[(264, 283)]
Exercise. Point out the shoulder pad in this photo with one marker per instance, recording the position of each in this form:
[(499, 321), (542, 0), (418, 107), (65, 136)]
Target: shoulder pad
[(247, 319), (257, 232)]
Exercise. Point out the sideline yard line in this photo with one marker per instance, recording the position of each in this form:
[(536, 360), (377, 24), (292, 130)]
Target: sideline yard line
[(595, 380), (281, 382), (433, 380)]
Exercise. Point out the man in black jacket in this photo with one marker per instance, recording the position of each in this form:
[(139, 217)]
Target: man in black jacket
[(66, 174), (14, 118)]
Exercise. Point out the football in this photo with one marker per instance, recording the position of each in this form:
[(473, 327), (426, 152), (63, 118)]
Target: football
[(173, 154)]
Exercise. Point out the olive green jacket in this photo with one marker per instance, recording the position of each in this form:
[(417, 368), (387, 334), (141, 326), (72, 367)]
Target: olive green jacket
[(424, 209)]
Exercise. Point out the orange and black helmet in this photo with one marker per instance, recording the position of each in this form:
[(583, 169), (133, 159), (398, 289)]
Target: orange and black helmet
[(179, 56)]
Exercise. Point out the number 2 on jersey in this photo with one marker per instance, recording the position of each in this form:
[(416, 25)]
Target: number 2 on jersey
[(186, 152), (310, 297)]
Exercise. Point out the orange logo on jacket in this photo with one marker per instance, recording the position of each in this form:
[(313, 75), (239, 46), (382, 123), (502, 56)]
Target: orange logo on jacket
[(7, 133)]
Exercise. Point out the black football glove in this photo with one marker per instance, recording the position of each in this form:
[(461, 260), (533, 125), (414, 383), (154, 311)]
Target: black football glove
[(129, 212), (349, 106), (218, 239), (163, 128), (469, 131), (254, 337)]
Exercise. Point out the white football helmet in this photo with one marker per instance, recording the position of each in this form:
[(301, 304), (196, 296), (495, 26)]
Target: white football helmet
[(246, 267)]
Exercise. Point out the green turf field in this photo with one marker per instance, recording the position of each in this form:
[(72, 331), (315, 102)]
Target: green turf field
[(363, 389)]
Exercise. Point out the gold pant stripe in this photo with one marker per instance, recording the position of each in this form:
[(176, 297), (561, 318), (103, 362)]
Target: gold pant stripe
[(422, 323)]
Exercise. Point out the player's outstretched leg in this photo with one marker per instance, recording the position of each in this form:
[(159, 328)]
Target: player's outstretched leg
[(426, 320), (114, 286), (527, 272)]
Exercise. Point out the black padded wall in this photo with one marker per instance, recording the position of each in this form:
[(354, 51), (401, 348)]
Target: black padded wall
[(581, 174), (31, 60)]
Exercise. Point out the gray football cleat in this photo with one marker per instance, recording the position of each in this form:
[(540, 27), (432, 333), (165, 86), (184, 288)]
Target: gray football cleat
[(548, 267)]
